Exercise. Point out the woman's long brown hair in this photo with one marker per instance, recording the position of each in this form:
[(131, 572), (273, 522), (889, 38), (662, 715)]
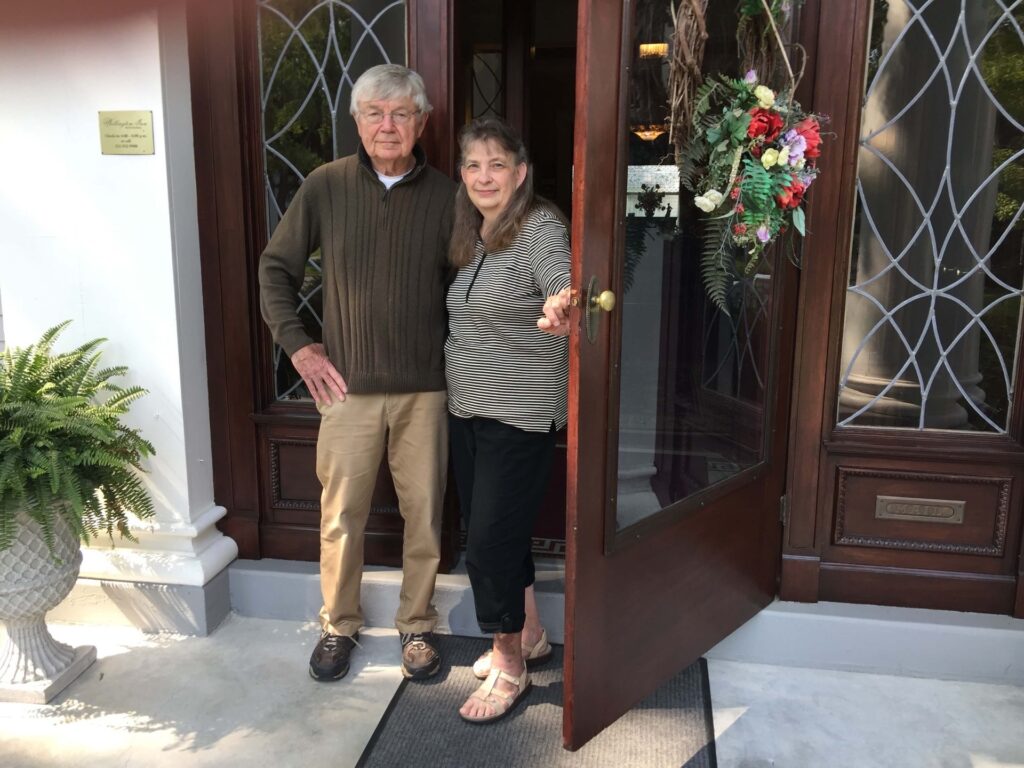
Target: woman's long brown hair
[(468, 220)]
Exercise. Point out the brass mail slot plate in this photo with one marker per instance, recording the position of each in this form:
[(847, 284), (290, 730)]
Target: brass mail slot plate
[(919, 510)]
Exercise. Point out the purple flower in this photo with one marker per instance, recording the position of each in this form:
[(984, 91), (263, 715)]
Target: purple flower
[(763, 234), (797, 146), (751, 77)]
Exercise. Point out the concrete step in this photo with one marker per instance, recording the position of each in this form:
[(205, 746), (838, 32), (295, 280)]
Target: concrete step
[(285, 589), (860, 638), (912, 642)]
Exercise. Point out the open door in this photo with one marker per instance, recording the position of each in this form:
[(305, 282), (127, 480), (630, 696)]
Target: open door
[(677, 409)]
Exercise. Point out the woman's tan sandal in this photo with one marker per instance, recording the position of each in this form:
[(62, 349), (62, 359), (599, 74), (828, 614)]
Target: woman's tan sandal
[(536, 656), (500, 701)]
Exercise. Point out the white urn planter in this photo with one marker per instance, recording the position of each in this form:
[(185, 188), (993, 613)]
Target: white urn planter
[(62, 442), (33, 666)]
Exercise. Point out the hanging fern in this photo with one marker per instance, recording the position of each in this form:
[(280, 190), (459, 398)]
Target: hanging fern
[(63, 448), (717, 264)]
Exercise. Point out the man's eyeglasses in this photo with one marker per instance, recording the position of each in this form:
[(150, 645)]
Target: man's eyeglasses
[(399, 117)]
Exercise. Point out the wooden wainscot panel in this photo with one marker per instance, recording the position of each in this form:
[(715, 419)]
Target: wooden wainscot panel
[(294, 487), (290, 528), (291, 525), (896, 535), (940, 590), (912, 511)]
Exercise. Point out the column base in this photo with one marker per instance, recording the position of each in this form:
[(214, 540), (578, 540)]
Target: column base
[(183, 609)]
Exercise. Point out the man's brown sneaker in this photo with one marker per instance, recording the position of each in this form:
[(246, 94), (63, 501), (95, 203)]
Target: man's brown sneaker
[(420, 657), (330, 657)]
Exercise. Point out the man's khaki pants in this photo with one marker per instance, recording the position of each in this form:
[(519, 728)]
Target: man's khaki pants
[(353, 435)]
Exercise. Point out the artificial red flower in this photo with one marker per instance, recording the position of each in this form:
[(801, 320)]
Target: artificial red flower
[(735, 194), (811, 131), (740, 208), (766, 123), (739, 229), (792, 195)]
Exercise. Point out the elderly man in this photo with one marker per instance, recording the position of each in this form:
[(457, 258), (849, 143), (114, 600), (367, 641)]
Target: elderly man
[(382, 219)]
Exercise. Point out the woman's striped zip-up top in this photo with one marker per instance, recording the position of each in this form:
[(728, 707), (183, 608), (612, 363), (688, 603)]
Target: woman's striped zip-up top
[(499, 365)]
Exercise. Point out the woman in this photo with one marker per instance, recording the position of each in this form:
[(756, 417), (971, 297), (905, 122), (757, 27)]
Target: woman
[(507, 373)]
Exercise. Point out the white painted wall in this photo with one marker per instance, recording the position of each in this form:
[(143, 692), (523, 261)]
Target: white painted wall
[(111, 242)]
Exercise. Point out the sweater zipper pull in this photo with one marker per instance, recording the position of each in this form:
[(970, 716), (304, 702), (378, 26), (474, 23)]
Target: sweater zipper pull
[(477, 272)]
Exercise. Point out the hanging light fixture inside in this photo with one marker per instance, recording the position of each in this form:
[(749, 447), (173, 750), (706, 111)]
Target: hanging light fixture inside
[(649, 132), (653, 50)]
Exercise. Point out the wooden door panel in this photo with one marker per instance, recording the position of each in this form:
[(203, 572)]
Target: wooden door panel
[(646, 599), (645, 613)]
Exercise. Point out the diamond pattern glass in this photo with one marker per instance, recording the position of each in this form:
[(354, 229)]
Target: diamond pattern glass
[(934, 299), (311, 53)]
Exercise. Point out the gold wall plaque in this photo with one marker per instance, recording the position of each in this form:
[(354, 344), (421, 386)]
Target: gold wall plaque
[(126, 133), (919, 510)]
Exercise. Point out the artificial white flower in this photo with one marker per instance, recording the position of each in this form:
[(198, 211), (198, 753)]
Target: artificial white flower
[(709, 200), (703, 203)]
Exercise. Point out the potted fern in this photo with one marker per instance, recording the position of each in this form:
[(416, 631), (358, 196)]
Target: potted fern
[(69, 471)]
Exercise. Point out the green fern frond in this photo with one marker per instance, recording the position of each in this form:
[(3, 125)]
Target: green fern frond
[(716, 267), (63, 449)]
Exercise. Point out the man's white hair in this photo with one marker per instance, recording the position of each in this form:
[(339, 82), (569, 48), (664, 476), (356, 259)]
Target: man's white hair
[(389, 82)]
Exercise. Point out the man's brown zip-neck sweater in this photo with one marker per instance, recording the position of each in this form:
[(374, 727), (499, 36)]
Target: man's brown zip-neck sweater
[(385, 268)]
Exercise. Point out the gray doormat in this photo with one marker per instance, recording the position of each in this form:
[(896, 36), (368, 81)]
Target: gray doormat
[(671, 728)]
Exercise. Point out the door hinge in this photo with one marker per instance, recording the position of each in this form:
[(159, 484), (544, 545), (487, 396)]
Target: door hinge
[(783, 510)]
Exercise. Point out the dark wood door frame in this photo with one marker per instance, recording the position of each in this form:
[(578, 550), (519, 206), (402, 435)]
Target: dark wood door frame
[(799, 562), (250, 432), (223, 175)]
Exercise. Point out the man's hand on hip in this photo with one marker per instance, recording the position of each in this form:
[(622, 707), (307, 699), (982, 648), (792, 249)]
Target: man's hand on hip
[(320, 375)]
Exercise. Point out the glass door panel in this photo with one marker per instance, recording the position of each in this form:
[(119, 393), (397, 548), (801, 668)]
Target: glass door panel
[(693, 378)]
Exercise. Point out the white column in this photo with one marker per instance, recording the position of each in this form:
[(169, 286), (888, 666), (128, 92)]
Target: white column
[(638, 380), (112, 243)]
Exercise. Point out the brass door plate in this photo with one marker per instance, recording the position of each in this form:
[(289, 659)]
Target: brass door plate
[(919, 510)]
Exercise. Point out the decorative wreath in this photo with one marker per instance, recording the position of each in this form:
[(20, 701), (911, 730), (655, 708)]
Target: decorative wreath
[(751, 156)]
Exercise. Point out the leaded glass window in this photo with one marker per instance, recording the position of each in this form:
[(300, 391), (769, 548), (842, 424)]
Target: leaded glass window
[(934, 299), (311, 53)]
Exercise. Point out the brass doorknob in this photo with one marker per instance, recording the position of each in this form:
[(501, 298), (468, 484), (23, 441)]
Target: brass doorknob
[(605, 301), (596, 303)]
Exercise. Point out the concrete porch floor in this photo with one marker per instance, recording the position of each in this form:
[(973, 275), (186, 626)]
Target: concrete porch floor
[(241, 697)]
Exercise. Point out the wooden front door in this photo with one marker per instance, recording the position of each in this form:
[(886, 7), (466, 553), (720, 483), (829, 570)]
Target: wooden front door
[(678, 410)]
